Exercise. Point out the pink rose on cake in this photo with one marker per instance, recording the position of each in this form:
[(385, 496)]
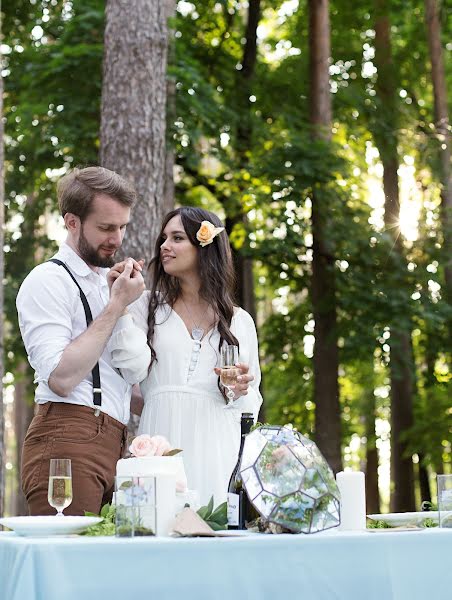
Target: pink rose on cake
[(157, 445), (142, 445), (146, 446)]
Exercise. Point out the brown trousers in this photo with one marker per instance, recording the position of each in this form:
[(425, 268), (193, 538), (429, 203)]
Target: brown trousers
[(94, 445)]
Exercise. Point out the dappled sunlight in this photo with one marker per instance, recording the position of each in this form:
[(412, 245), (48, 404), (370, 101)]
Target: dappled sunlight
[(410, 196)]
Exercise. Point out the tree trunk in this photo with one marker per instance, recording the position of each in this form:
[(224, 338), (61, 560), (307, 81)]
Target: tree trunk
[(243, 264), (443, 134), (168, 186), (323, 286), (424, 483), (402, 472), (23, 414), (133, 119), (2, 269), (372, 491), (401, 365)]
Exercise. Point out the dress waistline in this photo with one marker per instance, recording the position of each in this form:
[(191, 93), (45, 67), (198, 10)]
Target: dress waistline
[(185, 389)]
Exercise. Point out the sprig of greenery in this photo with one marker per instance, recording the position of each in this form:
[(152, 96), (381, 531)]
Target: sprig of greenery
[(259, 424), (371, 524), (218, 518), (429, 523), (106, 526)]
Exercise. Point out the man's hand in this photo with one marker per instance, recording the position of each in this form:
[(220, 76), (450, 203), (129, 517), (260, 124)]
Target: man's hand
[(243, 380), (127, 283), (119, 267)]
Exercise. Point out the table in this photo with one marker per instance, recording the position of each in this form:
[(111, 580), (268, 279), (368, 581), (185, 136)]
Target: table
[(331, 565)]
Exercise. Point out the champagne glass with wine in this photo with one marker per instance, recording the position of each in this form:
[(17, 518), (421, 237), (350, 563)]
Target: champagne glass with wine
[(229, 370), (60, 484)]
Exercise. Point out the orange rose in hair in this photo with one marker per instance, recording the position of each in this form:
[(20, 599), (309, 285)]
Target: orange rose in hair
[(207, 232)]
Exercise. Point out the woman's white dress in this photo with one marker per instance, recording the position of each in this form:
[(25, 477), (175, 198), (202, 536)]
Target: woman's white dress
[(181, 396)]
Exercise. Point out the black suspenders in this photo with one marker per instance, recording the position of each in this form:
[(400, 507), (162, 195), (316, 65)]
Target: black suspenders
[(97, 391)]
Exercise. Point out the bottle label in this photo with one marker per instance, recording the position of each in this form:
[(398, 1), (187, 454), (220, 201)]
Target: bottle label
[(233, 509)]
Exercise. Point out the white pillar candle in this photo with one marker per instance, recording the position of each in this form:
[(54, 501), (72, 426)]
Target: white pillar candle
[(353, 500)]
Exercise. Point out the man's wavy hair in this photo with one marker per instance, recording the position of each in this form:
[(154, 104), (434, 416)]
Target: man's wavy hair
[(78, 188), (216, 271)]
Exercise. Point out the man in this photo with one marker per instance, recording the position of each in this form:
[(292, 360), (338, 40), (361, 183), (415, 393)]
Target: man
[(83, 403)]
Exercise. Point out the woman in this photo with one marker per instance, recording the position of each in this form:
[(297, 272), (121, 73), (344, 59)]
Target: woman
[(170, 342)]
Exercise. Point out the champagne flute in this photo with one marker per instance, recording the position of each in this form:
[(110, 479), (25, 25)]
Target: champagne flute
[(60, 484), (229, 370)]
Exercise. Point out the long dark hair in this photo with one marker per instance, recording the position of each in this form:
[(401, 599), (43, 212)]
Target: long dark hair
[(216, 272)]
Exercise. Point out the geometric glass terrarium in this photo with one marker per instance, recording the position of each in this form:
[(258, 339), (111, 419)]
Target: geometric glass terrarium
[(288, 480), (136, 507)]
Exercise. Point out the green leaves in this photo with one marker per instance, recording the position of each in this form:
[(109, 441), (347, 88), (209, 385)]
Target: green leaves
[(218, 518), (105, 527)]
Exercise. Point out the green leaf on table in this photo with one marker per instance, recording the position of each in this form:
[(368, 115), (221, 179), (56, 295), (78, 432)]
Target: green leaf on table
[(205, 511), (220, 514), (214, 525), (377, 524), (202, 512), (106, 526), (217, 519), (210, 506), (106, 510)]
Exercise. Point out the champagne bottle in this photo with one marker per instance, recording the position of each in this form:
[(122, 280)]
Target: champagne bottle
[(240, 509)]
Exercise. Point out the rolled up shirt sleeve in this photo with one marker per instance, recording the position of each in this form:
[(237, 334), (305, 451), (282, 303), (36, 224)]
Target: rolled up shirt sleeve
[(45, 309), (128, 345)]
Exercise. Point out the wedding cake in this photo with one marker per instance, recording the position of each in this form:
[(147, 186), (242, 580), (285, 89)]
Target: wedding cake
[(170, 478), (151, 465)]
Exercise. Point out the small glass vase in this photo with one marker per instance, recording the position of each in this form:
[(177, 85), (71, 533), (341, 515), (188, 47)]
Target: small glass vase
[(136, 507)]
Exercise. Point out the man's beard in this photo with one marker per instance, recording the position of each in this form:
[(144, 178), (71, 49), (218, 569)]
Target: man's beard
[(90, 254)]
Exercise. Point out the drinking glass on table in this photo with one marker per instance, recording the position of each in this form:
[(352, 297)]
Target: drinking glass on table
[(60, 484), (229, 370)]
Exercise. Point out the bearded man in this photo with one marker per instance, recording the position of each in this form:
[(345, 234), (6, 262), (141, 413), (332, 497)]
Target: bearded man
[(66, 317)]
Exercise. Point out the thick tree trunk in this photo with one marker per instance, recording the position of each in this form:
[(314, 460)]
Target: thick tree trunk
[(443, 133), (133, 119), (323, 287), (401, 366), (23, 414), (2, 268)]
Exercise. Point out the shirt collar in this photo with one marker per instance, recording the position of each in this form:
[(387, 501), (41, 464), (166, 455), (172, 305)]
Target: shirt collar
[(78, 265)]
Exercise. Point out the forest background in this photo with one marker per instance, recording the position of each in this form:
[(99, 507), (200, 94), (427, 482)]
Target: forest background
[(319, 132)]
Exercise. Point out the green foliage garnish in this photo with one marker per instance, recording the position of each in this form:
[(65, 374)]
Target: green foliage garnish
[(377, 525), (106, 526), (218, 518), (259, 424), (429, 523)]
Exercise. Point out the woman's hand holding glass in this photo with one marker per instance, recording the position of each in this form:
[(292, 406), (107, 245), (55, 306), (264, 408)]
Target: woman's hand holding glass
[(235, 378)]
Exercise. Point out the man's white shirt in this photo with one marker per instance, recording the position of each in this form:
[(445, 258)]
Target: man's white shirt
[(51, 315)]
